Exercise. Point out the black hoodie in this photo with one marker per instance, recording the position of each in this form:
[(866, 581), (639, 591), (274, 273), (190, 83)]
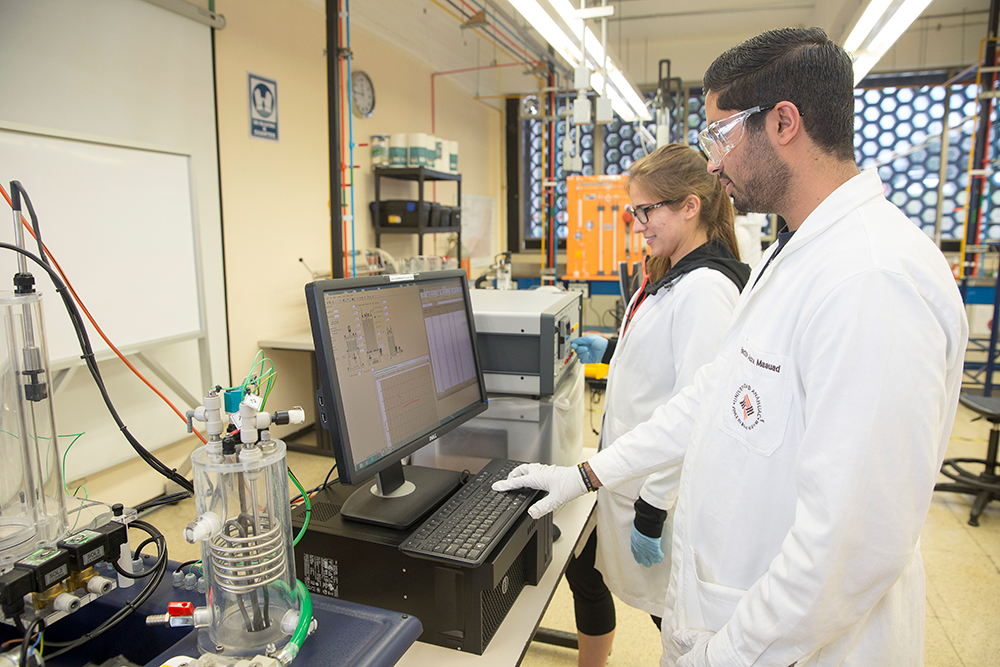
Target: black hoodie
[(714, 255)]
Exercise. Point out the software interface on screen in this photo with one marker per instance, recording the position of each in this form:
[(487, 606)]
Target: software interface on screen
[(404, 362)]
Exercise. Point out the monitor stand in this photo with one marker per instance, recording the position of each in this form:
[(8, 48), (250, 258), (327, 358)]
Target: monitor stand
[(401, 495)]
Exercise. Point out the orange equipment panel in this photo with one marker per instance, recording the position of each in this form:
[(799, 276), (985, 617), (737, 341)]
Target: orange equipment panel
[(599, 233)]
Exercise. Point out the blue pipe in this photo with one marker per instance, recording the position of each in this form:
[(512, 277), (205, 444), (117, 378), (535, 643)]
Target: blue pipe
[(350, 135)]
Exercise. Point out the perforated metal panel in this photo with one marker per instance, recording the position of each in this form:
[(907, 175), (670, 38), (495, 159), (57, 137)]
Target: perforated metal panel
[(497, 602), (535, 211), (897, 130), (696, 115), (623, 145)]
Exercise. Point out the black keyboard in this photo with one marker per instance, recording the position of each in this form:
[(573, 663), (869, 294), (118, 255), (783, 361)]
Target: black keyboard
[(465, 529)]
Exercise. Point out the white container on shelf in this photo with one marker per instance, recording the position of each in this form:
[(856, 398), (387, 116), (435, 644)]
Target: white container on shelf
[(431, 145), (453, 157), (440, 154), (397, 150), (416, 155), (379, 144)]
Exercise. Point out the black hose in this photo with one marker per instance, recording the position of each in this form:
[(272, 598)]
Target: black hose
[(162, 500), (16, 192), (88, 357), (161, 545), (180, 568), (121, 614)]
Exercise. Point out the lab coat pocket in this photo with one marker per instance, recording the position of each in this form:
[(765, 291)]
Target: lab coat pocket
[(717, 602), (759, 393)]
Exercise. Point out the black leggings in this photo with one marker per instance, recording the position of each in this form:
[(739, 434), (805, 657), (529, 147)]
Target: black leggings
[(592, 601)]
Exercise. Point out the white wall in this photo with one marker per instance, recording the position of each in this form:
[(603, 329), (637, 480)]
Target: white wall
[(124, 71), (276, 195)]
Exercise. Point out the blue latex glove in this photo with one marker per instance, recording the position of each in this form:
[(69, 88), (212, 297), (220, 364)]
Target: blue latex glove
[(645, 550), (589, 349)]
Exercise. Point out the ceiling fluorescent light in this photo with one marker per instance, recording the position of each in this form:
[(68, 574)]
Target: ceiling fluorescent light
[(907, 13), (596, 50), (618, 103), (596, 12), (865, 24), (625, 100), (869, 48), (549, 29), (618, 80)]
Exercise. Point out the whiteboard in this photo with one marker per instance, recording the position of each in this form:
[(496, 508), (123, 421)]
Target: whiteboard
[(120, 222)]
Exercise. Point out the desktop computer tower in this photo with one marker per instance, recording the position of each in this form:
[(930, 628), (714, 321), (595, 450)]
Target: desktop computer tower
[(459, 607)]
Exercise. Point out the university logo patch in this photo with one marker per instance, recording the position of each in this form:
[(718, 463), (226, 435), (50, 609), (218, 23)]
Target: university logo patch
[(746, 407)]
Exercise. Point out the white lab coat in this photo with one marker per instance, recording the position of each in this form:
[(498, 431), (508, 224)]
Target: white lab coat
[(815, 440), (671, 335)]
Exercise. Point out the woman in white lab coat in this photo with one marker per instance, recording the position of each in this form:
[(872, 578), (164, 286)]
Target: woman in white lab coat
[(673, 324)]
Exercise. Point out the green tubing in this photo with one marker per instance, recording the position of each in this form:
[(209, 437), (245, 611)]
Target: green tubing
[(287, 654), (305, 614), (305, 497)]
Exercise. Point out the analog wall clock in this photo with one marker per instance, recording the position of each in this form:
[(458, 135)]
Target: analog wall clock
[(363, 94)]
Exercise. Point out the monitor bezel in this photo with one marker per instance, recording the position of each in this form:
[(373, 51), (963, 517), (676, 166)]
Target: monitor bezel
[(330, 413)]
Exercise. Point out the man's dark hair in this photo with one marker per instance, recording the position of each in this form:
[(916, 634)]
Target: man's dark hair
[(801, 66)]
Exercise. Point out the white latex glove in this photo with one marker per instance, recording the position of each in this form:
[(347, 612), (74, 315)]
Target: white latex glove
[(563, 484), (694, 647)]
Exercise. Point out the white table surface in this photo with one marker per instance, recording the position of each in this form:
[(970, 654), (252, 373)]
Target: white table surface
[(302, 340)]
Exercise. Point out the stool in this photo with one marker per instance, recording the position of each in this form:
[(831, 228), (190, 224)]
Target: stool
[(986, 485)]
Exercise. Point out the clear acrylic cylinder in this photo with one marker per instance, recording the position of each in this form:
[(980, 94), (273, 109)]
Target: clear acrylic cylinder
[(244, 525), (32, 498)]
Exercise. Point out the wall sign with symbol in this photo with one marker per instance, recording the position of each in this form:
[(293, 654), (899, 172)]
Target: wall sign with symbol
[(263, 107)]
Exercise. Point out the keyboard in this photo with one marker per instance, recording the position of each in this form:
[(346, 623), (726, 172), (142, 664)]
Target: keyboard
[(464, 530)]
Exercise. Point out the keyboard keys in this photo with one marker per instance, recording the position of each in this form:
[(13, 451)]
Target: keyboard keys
[(466, 527)]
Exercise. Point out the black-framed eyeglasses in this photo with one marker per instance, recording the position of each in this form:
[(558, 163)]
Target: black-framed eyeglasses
[(641, 213)]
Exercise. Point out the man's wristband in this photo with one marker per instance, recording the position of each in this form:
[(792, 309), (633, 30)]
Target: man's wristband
[(586, 478)]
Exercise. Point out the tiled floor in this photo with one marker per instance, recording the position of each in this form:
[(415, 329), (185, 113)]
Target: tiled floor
[(962, 564)]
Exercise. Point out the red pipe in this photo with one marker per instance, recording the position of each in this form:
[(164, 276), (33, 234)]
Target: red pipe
[(462, 71), (343, 136)]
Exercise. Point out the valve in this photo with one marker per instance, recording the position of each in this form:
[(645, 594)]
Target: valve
[(179, 614)]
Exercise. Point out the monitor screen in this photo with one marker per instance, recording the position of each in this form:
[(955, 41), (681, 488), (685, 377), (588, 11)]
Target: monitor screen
[(397, 365)]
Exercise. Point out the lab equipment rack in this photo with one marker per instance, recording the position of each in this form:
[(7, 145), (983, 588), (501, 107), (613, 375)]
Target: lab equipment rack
[(421, 175)]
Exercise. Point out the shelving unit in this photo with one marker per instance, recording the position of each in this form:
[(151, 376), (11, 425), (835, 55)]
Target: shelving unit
[(420, 175)]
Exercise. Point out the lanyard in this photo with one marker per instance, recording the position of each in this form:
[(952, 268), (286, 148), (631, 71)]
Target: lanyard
[(784, 236), (637, 302)]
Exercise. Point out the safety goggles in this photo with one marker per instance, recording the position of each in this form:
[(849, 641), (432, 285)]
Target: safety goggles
[(722, 136), (641, 213)]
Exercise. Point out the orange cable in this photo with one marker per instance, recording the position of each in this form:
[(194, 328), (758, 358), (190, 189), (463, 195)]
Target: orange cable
[(97, 328)]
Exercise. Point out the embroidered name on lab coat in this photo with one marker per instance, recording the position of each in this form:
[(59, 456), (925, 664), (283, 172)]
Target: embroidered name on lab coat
[(760, 363)]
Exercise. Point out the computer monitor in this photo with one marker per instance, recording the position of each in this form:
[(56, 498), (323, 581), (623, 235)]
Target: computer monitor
[(397, 364)]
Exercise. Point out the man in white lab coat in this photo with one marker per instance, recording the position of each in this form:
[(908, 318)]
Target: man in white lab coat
[(814, 439)]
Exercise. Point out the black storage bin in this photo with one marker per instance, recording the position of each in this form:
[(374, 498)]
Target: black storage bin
[(446, 216), (435, 217), (456, 217), (402, 213)]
